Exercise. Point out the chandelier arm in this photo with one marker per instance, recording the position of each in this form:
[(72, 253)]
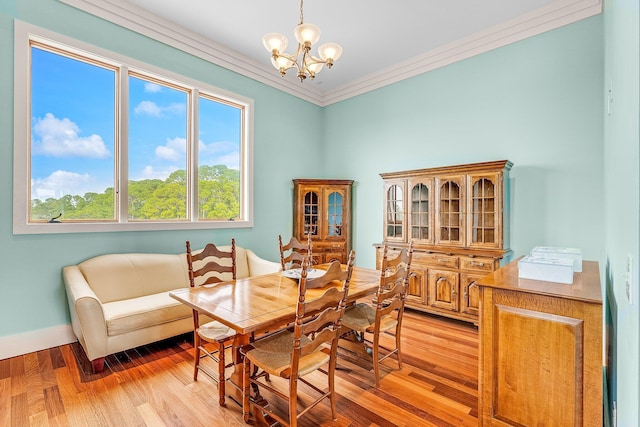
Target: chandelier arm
[(315, 60)]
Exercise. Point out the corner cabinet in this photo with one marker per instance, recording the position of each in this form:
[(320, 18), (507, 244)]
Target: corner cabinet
[(322, 208), (458, 221)]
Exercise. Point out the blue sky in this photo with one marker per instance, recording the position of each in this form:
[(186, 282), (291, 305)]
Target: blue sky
[(73, 128)]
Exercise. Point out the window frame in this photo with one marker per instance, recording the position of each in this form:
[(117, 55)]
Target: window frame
[(23, 35)]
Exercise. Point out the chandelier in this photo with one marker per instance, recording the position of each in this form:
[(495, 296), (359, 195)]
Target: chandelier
[(306, 64)]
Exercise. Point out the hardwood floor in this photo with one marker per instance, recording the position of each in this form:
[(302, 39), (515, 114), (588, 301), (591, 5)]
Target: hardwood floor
[(153, 385)]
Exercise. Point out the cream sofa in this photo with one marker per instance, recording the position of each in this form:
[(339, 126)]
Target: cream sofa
[(121, 301)]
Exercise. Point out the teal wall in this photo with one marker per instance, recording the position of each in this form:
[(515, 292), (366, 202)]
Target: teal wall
[(622, 202), (537, 103), (288, 132)]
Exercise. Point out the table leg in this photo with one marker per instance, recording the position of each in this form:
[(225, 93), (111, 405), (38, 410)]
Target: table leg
[(236, 377)]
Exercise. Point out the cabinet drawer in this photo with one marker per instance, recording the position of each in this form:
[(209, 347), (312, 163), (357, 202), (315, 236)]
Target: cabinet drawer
[(435, 260), (484, 265), (328, 247)]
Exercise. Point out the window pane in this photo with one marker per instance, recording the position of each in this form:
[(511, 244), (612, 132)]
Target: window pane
[(157, 151), (72, 138), (219, 147)]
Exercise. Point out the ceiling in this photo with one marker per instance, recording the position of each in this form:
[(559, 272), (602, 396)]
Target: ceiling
[(384, 41)]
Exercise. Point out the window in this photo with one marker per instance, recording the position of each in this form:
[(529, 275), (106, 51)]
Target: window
[(105, 143)]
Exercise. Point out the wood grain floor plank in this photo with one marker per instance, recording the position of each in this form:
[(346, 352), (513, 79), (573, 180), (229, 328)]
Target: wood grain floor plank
[(39, 419), (33, 384), (153, 385), (5, 401), (5, 368), (19, 410), (17, 375)]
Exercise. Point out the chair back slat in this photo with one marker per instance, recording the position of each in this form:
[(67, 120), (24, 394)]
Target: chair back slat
[(293, 253), (211, 265), (331, 296), (334, 272)]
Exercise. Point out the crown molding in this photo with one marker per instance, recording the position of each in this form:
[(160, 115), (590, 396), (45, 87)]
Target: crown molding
[(555, 15), (141, 21)]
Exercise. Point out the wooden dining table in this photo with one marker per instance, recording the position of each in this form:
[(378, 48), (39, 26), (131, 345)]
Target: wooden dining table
[(256, 305)]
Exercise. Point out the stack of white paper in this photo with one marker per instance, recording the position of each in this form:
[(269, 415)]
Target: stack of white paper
[(553, 252), (558, 270)]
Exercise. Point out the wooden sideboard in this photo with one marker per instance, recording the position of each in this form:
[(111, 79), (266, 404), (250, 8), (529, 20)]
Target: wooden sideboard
[(540, 350)]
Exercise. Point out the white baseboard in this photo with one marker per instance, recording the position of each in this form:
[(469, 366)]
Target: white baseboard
[(29, 342)]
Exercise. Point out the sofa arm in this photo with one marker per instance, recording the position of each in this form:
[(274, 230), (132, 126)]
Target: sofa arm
[(259, 266), (87, 317)]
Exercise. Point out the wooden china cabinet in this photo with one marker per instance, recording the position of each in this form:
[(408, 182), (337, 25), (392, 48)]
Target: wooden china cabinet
[(322, 208), (458, 221)]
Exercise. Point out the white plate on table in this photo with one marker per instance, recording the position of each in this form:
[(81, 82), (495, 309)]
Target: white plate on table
[(295, 273)]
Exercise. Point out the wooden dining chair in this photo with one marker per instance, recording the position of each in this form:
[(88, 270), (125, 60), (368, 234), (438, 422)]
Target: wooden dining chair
[(291, 354), (211, 265), (384, 315), (292, 254)]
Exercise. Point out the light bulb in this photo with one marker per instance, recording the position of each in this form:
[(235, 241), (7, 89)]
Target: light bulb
[(330, 51), (307, 33), (275, 42)]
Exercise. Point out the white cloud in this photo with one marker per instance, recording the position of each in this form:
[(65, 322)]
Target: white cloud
[(152, 87), (174, 150), (60, 138), (150, 108), (231, 160), (220, 153), (60, 183)]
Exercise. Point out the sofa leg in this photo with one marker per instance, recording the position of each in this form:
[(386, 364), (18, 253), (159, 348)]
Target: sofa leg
[(98, 365)]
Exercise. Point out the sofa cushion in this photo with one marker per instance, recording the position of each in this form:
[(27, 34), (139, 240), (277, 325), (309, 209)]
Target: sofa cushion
[(116, 277), (142, 312)]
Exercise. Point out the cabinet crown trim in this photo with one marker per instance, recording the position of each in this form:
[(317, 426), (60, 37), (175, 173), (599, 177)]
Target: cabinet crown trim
[(457, 169)]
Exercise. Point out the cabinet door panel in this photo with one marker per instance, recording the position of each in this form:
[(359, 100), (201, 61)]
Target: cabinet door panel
[(450, 218), (421, 210), (395, 220), (555, 369), (443, 289), (470, 298), (484, 210), (335, 211), (416, 289), (311, 213)]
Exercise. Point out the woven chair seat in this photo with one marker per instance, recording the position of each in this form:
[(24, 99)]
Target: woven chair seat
[(215, 331), (362, 318), (273, 354)]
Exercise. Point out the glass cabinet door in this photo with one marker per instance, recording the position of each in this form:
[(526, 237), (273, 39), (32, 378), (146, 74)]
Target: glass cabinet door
[(450, 221), (394, 211), (311, 213), (484, 211), (421, 211), (334, 214)]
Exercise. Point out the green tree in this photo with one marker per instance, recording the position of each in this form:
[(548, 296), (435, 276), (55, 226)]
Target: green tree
[(152, 199)]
